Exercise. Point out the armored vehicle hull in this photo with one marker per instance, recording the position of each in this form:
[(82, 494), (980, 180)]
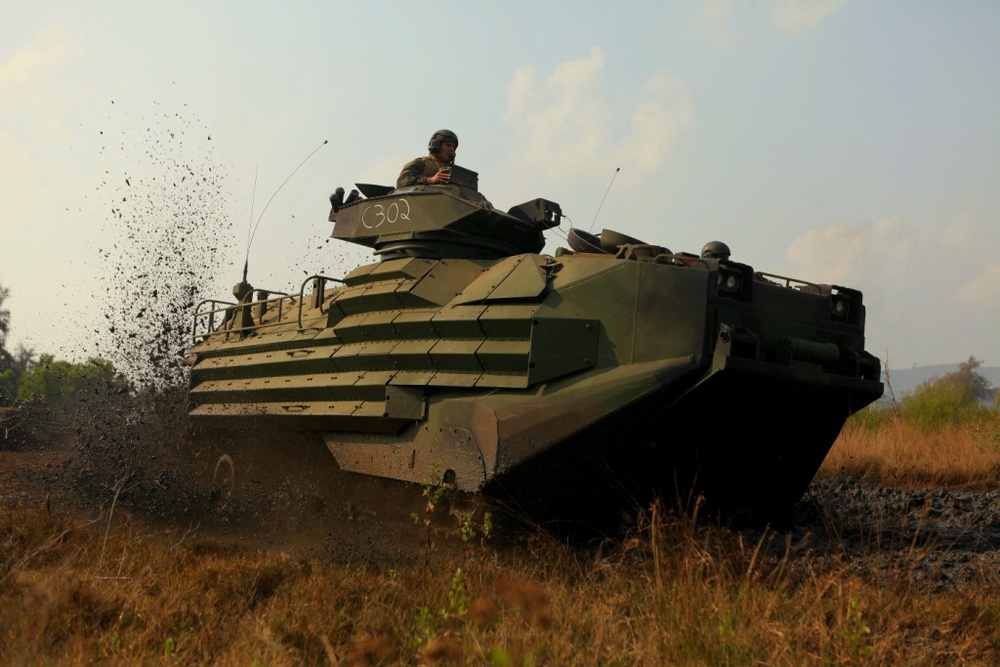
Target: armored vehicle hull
[(466, 357)]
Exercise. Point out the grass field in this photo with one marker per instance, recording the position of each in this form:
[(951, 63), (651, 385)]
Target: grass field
[(892, 451), (671, 592)]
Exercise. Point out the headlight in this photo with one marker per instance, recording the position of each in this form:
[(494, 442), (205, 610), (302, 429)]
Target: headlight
[(841, 307), (729, 282)]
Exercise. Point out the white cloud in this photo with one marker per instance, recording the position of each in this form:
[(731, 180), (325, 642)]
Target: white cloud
[(713, 23), (930, 294), (846, 255), (984, 289), (32, 100), (798, 16), (716, 20), (48, 49), (963, 233), (569, 124)]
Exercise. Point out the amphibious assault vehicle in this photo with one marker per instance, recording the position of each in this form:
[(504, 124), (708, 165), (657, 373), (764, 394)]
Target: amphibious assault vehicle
[(613, 369)]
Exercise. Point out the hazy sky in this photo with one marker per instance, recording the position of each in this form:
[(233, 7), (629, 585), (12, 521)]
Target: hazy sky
[(846, 142)]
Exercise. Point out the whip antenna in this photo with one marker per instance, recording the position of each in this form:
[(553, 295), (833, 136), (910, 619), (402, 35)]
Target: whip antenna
[(253, 200), (254, 230), (617, 169)]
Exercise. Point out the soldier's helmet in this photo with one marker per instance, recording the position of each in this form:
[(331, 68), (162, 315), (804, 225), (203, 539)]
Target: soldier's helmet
[(438, 138), (715, 250)]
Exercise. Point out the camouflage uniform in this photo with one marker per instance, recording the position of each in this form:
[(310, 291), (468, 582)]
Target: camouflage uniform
[(416, 172)]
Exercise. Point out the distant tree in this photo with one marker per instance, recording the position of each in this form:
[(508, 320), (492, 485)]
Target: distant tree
[(13, 366), (55, 380), (22, 362), (8, 385), (974, 387), (6, 359), (949, 398)]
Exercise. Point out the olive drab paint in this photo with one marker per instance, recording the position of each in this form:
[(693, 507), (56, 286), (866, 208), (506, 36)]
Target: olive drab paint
[(464, 354)]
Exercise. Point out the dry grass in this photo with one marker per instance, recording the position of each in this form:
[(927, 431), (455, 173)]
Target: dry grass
[(673, 594), (894, 452)]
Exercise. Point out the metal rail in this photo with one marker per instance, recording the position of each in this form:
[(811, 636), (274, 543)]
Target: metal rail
[(200, 314), (233, 310), (318, 295), (793, 283), (205, 326)]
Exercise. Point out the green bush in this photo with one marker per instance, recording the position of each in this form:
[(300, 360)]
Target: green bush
[(954, 398), (55, 380), (936, 405), (957, 398), (8, 385)]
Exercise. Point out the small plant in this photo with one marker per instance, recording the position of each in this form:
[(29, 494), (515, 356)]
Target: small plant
[(726, 630), (434, 491), (423, 624), (469, 530), (458, 596), (466, 526), (855, 630), (501, 658), (427, 618)]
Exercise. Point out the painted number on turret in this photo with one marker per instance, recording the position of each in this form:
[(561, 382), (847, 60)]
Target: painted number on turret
[(376, 215)]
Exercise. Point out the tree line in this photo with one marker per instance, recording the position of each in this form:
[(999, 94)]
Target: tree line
[(25, 375), (961, 396)]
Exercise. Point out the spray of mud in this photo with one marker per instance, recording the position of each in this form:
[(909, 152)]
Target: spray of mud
[(166, 234), (171, 233), (172, 246)]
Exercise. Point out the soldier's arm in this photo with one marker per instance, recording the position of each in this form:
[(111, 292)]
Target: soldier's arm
[(412, 174)]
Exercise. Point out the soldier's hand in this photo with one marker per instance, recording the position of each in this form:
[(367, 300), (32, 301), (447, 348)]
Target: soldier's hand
[(441, 177)]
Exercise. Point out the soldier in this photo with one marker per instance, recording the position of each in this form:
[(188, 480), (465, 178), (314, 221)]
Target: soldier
[(435, 168)]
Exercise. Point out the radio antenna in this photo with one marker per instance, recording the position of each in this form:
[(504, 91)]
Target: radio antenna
[(253, 200), (613, 176), (253, 231)]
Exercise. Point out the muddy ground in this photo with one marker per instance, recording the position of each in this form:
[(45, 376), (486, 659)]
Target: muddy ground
[(217, 486), (232, 488)]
